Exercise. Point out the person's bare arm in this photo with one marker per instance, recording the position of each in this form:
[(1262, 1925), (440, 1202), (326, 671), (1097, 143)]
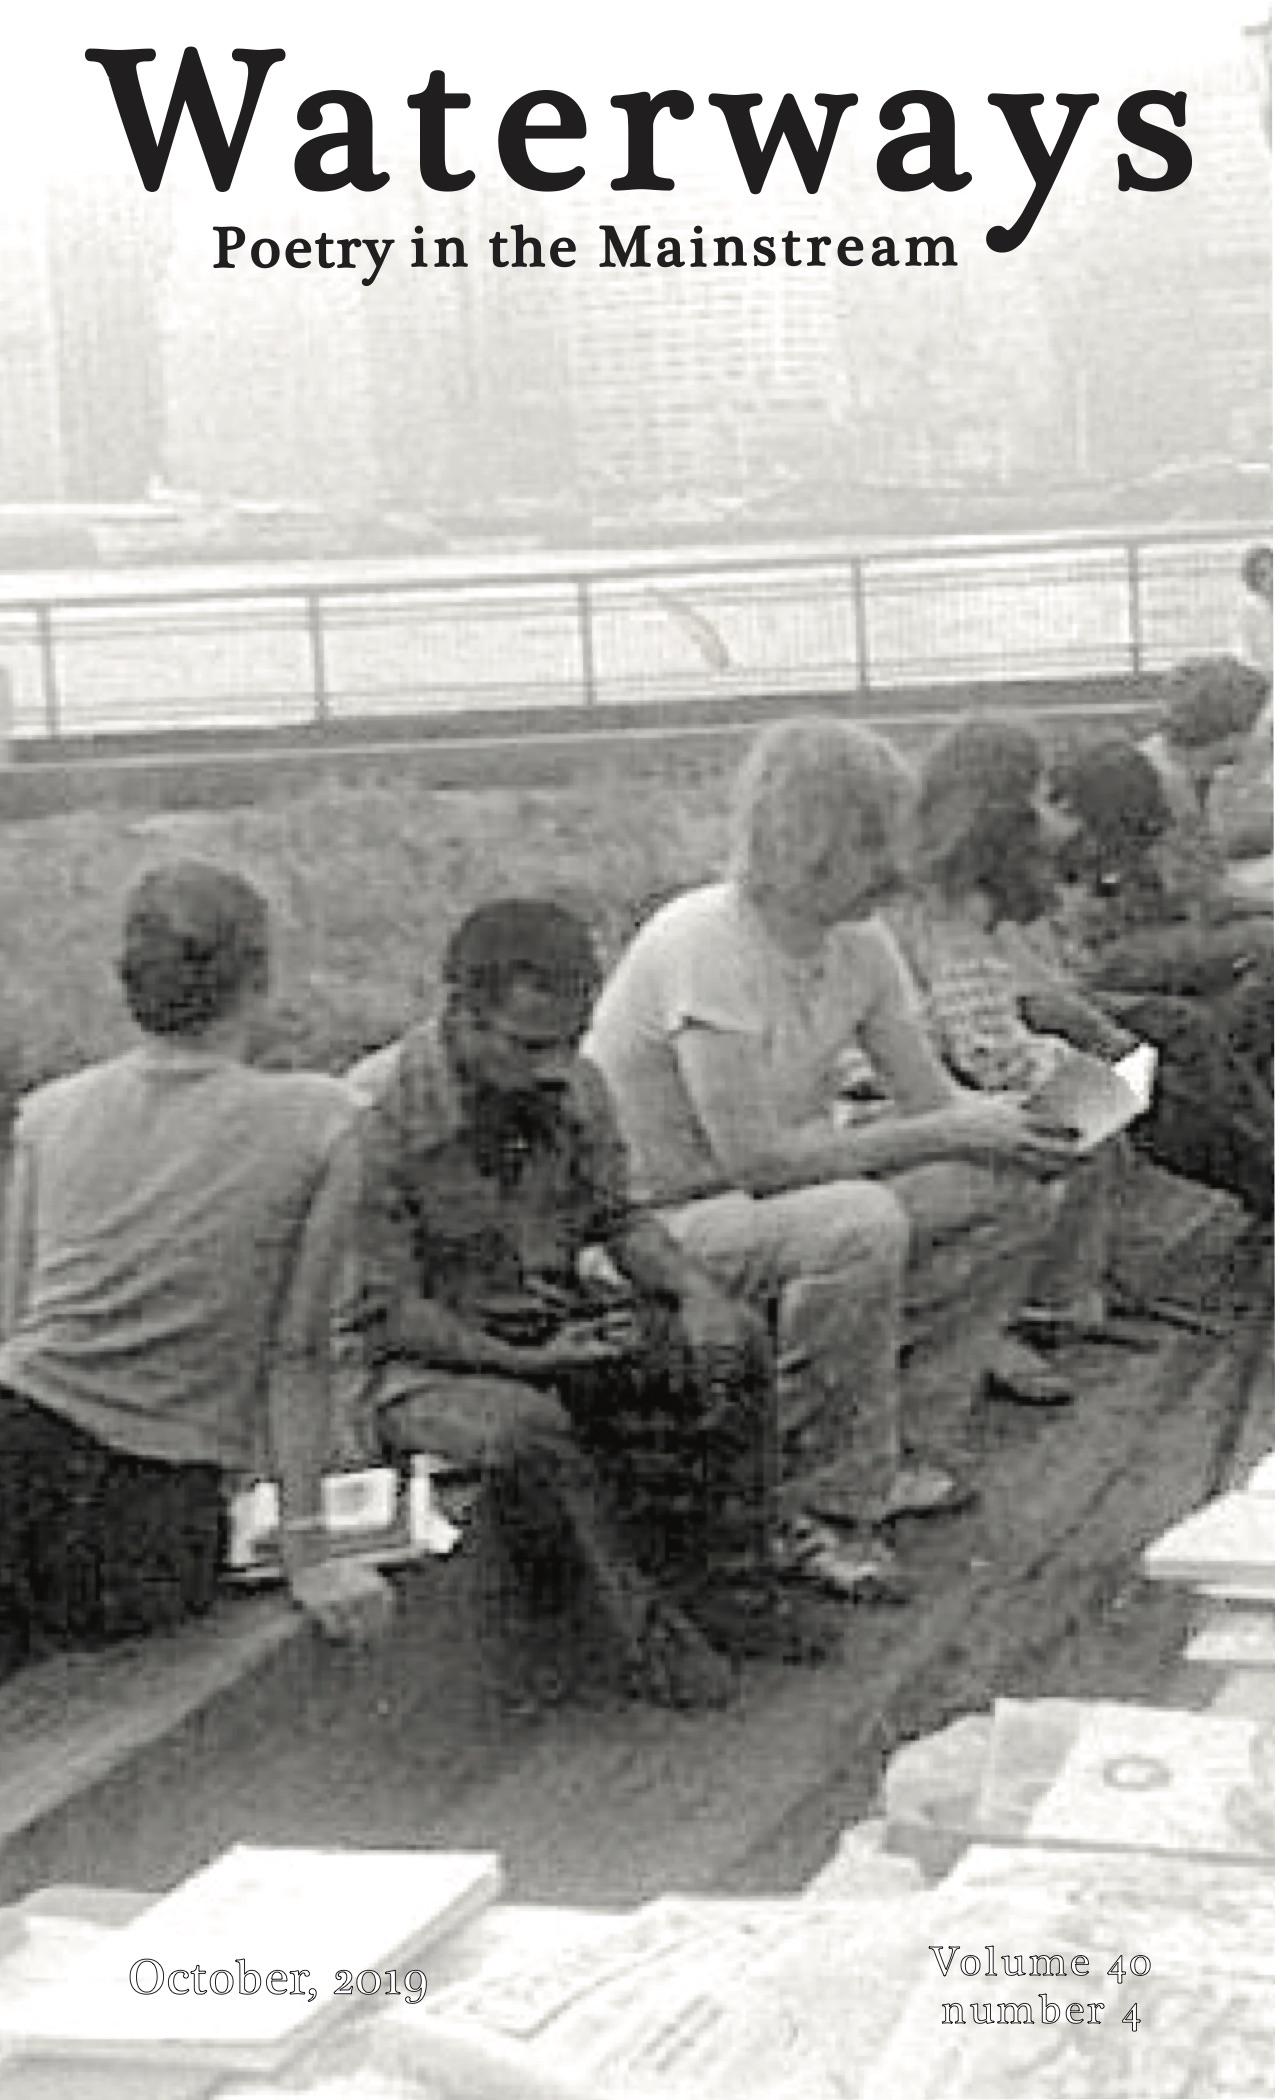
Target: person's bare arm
[(349, 1600), (722, 1074), (913, 1073), (1052, 1003), (19, 1238)]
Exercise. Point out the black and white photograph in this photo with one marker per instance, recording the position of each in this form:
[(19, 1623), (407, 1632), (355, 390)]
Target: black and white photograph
[(637, 1407)]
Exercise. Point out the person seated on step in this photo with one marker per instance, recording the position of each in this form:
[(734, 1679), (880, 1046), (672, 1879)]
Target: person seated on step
[(623, 1423), (1213, 737), (174, 1224), (1253, 621), (721, 1033), (1238, 812), (982, 870), (1153, 955)]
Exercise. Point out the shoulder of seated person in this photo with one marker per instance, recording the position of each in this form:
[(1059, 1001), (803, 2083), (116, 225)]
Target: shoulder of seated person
[(874, 942), (690, 909)]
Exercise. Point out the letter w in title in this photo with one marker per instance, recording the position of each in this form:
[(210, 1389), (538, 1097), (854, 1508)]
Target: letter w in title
[(190, 91), (755, 159)]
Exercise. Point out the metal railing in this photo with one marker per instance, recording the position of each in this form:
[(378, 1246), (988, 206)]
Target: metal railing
[(300, 645)]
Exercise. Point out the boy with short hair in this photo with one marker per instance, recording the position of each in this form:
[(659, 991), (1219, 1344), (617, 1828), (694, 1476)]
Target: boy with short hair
[(174, 1223)]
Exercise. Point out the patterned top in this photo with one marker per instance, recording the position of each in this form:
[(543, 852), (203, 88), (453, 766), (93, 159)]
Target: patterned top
[(970, 996)]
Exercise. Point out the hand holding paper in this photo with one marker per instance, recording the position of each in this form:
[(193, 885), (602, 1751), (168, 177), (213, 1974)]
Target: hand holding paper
[(1094, 1100)]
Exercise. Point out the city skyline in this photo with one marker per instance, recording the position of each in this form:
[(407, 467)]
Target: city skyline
[(1128, 334)]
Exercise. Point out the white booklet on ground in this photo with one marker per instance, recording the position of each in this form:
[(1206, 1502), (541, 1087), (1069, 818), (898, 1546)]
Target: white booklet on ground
[(1096, 1100), (371, 1515), (1230, 1540), (254, 1956)]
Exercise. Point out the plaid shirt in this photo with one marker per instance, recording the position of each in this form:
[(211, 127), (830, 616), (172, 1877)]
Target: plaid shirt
[(970, 997), (446, 1217)]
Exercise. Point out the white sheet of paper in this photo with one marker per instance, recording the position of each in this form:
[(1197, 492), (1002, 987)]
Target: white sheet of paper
[(1158, 1780), (1230, 1539), (1097, 1100), (255, 1911)]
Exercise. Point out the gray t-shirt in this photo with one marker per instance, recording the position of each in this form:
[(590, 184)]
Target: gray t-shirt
[(163, 1198), (707, 961)]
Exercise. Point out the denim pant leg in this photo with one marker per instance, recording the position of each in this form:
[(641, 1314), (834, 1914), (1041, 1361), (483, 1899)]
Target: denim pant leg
[(827, 1263)]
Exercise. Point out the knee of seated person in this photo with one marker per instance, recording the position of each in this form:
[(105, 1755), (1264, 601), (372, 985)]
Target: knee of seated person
[(487, 1422), (852, 1224), (536, 1428), (1024, 1204)]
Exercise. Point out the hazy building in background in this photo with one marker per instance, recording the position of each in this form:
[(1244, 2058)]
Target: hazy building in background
[(1124, 340), (1161, 323), (105, 267), (30, 443), (267, 390)]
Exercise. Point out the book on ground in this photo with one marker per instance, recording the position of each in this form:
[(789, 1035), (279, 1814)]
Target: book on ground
[(1151, 1779), (1242, 1640), (302, 1923), (1231, 1540)]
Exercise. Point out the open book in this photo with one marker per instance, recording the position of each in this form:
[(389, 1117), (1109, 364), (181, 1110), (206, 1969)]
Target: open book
[(1095, 1100)]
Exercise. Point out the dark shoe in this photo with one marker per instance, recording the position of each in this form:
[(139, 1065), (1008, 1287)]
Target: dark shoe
[(1018, 1373), (856, 1565), (763, 1620), (1041, 1327), (674, 1665)]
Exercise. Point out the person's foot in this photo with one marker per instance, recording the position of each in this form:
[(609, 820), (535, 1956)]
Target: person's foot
[(854, 1563), (923, 1490), (673, 1664), (1019, 1373), (758, 1619)]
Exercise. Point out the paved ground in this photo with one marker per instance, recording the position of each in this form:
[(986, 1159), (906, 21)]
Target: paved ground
[(593, 1800)]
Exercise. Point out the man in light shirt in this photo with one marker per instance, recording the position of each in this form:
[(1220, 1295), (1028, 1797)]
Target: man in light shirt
[(723, 1033)]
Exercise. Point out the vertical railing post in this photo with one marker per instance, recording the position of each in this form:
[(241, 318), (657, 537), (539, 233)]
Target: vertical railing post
[(1135, 608), (859, 598), (48, 670), (588, 666), (318, 659)]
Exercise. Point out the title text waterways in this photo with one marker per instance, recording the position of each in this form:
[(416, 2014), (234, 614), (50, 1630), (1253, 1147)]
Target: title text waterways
[(639, 247)]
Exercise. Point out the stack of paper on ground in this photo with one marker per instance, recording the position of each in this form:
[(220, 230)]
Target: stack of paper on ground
[(1151, 1779), (1103, 1774), (1236, 1640), (1228, 1547), (1087, 1969), (782, 2000), (1090, 1973), (930, 1790), (254, 1921), (1132, 1873)]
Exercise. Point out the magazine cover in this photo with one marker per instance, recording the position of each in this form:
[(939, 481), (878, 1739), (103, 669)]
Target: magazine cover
[(436, 445)]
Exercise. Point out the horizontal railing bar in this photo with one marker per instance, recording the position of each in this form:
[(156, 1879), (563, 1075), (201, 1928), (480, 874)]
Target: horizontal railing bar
[(571, 570)]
